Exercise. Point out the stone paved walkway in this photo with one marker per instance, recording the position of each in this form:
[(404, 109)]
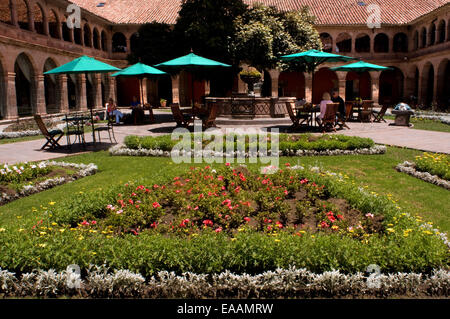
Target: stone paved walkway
[(381, 133)]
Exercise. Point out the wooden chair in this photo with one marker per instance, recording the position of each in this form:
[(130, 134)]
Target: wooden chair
[(295, 120), (329, 118), (304, 115), (348, 110), (148, 107), (103, 128), (52, 136), (366, 112), (210, 120), (181, 119), (378, 116)]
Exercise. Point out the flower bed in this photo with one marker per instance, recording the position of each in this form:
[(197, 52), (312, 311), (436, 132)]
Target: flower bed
[(213, 220), (411, 169), (281, 283), (289, 145), (22, 180)]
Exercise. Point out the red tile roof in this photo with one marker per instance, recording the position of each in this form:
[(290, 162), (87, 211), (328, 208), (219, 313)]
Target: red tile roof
[(327, 12)]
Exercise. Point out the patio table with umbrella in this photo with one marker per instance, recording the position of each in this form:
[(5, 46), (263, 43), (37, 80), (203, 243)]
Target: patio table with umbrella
[(191, 62), (140, 71), (360, 67), (84, 65), (313, 58)]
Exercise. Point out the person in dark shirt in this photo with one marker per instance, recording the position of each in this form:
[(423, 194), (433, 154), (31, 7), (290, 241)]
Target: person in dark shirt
[(337, 99)]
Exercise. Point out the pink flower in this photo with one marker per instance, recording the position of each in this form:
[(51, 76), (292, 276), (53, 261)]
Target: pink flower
[(247, 219), (93, 222), (207, 222), (369, 215), (226, 202), (85, 223), (218, 230), (227, 164), (279, 224), (304, 181), (324, 225)]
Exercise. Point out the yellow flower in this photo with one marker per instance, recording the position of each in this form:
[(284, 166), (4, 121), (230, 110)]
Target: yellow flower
[(21, 230), (277, 240), (52, 203), (391, 230), (54, 224), (80, 238), (2, 230), (62, 230), (43, 233), (42, 245)]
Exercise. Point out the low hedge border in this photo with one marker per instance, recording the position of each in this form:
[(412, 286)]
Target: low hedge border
[(27, 190), (280, 283), (410, 169), (122, 150)]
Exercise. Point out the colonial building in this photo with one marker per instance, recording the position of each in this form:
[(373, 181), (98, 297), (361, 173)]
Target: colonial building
[(414, 39)]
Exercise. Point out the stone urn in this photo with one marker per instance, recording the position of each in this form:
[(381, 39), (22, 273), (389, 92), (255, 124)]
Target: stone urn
[(402, 114), (250, 77)]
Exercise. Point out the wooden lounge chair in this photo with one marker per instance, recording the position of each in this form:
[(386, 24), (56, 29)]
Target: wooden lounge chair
[(210, 120), (295, 120), (52, 136), (329, 118), (379, 116), (103, 128), (181, 119)]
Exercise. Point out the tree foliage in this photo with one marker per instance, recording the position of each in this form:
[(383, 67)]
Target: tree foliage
[(264, 33)]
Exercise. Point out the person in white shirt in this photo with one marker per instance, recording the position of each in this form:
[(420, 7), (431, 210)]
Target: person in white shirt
[(326, 99)]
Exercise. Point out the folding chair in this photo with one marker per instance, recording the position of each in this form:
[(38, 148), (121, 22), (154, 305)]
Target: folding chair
[(329, 118), (295, 120), (103, 128), (210, 120), (379, 115), (52, 137)]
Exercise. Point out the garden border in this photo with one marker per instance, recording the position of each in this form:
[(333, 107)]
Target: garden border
[(27, 190), (280, 283), (410, 169), (122, 150)]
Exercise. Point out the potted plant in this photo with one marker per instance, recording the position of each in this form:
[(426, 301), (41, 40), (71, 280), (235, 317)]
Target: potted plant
[(163, 102), (250, 76)]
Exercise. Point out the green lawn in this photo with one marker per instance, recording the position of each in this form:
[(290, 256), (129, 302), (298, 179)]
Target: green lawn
[(376, 171), (426, 124)]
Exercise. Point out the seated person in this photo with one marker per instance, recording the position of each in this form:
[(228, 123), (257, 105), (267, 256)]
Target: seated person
[(112, 110), (326, 99), (337, 99), (137, 112)]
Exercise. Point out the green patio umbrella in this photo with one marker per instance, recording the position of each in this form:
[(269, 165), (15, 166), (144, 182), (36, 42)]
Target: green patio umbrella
[(191, 62), (83, 64), (360, 67), (314, 58), (140, 71)]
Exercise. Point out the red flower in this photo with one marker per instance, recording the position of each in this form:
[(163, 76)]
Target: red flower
[(93, 222), (227, 164), (279, 224), (269, 228), (156, 205), (218, 230), (207, 222), (339, 216), (304, 181), (324, 225), (247, 219), (85, 223), (287, 164)]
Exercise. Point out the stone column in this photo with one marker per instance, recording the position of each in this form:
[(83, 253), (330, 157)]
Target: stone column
[(342, 83), (31, 20), (144, 91), (242, 87), (152, 89), (435, 89), (274, 76), (97, 79), (353, 43), (175, 88), (112, 89), (128, 45), (63, 100), (420, 98), (207, 87), (40, 95), (14, 19), (11, 100), (308, 87), (81, 93), (375, 79)]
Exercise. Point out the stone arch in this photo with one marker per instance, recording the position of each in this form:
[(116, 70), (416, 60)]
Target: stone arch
[(3, 102), (87, 34), (416, 40), (67, 34), (53, 24), (443, 84), (423, 37), (400, 42), (358, 84), (5, 12), (432, 34), (96, 39), (104, 41), (325, 80), (391, 86), (39, 18), (344, 42), (381, 43), (134, 41), (119, 42), (441, 31), (25, 85), (292, 84), (23, 14), (77, 36), (427, 83), (51, 87), (327, 42), (362, 43)]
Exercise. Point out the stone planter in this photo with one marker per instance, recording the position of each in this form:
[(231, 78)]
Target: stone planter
[(402, 117)]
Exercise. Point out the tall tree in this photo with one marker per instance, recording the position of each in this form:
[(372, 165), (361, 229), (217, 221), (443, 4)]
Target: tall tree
[(264, 33), (206, 26)]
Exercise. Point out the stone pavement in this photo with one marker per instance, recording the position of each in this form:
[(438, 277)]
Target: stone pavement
[(381, 133)]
